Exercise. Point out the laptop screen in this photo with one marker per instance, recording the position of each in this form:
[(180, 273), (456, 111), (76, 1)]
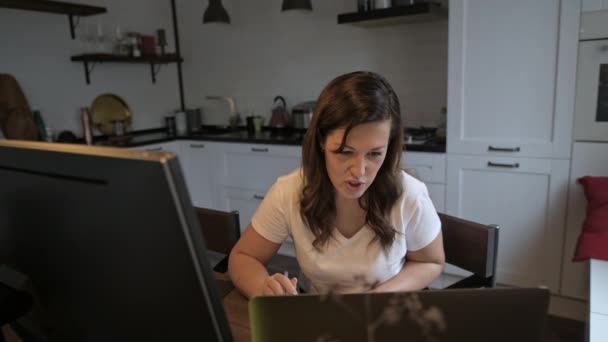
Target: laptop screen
[(422, 316)]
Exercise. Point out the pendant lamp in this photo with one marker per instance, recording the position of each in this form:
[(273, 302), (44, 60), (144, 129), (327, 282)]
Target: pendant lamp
[(216, 13), (296, 4)]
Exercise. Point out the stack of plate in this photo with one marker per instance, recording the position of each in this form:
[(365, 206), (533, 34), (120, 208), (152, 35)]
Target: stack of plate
[(108, 108)]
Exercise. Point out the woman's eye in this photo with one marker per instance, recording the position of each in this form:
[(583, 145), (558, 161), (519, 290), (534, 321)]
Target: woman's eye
[(346, 153), (376, 154)]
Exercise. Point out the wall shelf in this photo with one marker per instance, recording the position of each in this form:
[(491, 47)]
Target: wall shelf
[(57, 7), (421, 12), (155, 61)]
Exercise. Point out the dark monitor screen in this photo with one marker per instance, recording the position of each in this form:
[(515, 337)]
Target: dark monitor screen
[(109, 242)]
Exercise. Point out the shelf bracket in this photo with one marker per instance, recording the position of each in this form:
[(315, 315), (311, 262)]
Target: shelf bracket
[(154, 69), (88, 71), (73, 25)]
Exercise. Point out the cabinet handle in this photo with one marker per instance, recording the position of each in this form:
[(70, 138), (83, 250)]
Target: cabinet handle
[(257, 149), (256, 196), (154, 149), (197, 145), (503, 149), (512, 166)]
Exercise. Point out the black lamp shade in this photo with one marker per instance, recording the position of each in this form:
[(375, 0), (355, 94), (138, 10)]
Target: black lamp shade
[(296, 4), (215, 13)]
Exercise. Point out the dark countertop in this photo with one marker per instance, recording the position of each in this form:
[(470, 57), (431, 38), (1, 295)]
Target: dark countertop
[(155, 136)]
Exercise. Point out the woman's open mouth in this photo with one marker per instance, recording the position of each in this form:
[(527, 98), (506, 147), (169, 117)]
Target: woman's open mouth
[(354, 185)]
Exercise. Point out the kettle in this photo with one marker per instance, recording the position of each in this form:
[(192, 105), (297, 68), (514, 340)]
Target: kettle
[(280, 115)]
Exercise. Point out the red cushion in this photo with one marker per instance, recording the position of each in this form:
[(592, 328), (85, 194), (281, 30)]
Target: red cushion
[(593, 241)]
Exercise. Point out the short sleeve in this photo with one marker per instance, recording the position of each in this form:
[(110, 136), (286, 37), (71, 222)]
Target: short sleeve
[(270, 218), (424, 224)]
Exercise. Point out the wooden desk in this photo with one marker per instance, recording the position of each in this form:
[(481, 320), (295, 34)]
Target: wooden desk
[(236, 307)]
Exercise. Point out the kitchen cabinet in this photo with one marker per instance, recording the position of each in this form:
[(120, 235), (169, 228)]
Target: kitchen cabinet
[(170, 146), (526, 197), (511, 77), (199, 161), (430, 169), (247, 171)]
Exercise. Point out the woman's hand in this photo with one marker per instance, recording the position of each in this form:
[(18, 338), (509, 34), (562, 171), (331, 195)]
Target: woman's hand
[(279, 285)]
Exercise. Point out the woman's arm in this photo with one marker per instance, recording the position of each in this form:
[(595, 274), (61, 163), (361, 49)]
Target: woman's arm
[(247, 270), (421, 268)]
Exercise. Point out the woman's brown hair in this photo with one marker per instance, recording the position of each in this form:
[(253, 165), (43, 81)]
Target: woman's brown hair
[(347, 101)]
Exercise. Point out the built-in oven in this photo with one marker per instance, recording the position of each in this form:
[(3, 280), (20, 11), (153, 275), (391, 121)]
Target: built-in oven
[(591, 105)]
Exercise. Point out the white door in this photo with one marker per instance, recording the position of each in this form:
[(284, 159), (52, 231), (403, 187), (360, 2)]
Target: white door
[(512, 68), (526, 197)]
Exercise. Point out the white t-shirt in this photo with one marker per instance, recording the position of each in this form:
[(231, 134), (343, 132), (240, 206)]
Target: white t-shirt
[(343, 264)]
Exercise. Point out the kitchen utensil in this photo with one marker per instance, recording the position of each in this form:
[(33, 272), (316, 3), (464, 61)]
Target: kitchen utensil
[(302, 114), (87, 132), (193, 120), (250, 126), (280, 116), (234, 119), (170, 125), (107, 108), (257, 122), (180, 123)]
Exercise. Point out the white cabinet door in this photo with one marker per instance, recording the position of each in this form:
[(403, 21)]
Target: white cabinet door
[(247, 171), (246, 201), (526, 197), (430, 169), (511, 77), (200, 167), (256, 166), (588, 159), (171, 146)]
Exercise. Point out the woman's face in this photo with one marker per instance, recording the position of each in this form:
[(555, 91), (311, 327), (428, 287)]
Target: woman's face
[(353, 170)]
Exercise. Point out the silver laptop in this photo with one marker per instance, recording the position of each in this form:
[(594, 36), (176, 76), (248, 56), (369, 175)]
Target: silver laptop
[(442, 315)]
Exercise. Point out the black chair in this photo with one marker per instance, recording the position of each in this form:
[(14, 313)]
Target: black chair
[(221, 231), (13, 304), (473, 247)]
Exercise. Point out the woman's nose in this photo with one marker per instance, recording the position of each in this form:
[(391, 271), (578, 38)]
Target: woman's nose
[(358, 167)]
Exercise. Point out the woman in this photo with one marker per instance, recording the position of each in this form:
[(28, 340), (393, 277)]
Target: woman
[(358, 222)]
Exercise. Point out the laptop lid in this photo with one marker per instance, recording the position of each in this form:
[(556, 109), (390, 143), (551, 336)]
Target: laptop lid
[(445, 315)]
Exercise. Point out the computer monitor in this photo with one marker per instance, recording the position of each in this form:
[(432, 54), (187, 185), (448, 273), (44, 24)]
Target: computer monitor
[(110, 243)]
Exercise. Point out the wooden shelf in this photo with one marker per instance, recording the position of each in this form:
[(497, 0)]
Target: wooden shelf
[(421, 12), (57, 7), (104, 57), (52, 7), (155, 61)]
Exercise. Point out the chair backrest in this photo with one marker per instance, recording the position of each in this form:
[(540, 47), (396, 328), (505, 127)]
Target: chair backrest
[(473, 247), (220, 229)]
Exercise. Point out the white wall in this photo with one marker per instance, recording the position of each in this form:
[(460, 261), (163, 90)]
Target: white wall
[(36, 48), (262, 54), (266, 52)]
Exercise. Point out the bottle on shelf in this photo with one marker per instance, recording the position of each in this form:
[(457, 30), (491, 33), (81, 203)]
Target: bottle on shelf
[(87, 132)]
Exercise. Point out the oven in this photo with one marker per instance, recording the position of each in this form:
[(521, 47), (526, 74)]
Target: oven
[(591, 104)]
